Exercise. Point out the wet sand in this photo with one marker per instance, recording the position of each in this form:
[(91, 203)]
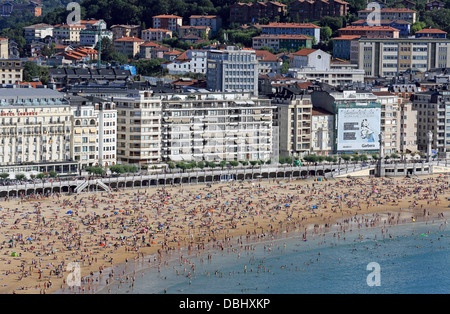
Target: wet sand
[(40, 236)]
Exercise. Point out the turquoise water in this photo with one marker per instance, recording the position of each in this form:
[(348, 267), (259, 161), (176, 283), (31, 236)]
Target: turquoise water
[(412, 258)]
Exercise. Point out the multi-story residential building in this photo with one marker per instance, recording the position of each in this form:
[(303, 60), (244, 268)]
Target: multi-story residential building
[(11, 71), (232, 69), (138, 128), (312, 58), (277, 42), (369, 31), (192, 60), (84, 146), (268, 62), (316, 65), (306, 29), (243, 13), (391, 56), (214, 22), (293, 116), (357, 119), (314, 10), (128, 45), (434, 5), (68, 34), (94, 125), (93, 24), (154, 34), (216, 126), (390, 120), (170, 22), (390, 14), (107, 131), (90, 38), (145, 49), (408, 128), (199, 31), (35, 125), (37, 32), (322, 132), (121, 30), (431, 33), (4, 48), (433, 115), (404, 27), (342, 45), (7, 7)]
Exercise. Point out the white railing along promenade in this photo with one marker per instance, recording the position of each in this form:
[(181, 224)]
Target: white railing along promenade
[(264, 171)]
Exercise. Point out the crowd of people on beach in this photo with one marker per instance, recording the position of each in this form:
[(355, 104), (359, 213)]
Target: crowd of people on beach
[(41, 235)]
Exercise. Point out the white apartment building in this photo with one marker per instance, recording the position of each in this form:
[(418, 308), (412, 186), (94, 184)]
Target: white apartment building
[(94, 124), (11, 71), (35, 126), (216, 126), (193, 61), (170, 22), (389, 57), (67, 34), (37, 32), (90, 38), (233, 69), (138, 128), (212, 21), (390, 120), (293, 116), (316, 65), (433, 115), (408, 128), (322, 132), (155, 34)]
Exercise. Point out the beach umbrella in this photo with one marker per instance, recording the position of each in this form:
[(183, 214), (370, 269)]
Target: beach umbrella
[(14, 254), (30, 239), (69, 212)]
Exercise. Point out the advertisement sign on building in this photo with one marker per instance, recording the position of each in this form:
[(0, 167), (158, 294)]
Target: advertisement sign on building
[(358, 129)]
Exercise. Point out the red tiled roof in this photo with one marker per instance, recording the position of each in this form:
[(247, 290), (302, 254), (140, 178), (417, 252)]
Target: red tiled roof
[(203, 16), (266, 56), (304, 52), (347, 37), (129, 39), (431, 30), (291, 25), (150, 44), (394, 10), (368, 28), (169, 16), (156, 30)]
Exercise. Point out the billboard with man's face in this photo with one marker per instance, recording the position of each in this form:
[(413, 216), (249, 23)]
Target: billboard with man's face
[(358, 129)]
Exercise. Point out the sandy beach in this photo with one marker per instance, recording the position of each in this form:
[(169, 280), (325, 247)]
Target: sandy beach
[(40, 236)]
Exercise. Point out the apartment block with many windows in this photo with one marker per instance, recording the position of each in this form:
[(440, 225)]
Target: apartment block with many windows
[(216, 126), (391, 56), (138, 127)]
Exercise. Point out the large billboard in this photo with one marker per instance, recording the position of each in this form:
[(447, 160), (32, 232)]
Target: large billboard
[(358, 129)]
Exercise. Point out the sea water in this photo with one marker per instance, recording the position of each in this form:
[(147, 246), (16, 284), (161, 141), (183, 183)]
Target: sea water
[(408, 258)]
